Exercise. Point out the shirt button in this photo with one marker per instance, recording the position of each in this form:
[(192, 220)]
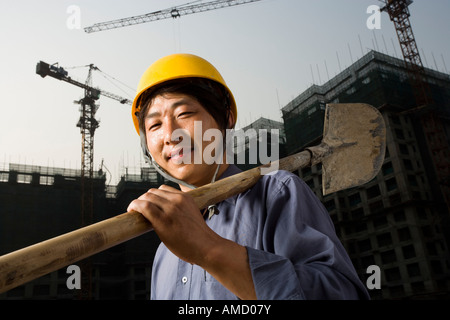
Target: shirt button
[(184, 280)]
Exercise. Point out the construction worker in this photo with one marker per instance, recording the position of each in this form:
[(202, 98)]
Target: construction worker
[(274, 241)]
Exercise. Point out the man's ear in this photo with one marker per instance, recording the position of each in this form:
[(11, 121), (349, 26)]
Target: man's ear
[(231, 121)]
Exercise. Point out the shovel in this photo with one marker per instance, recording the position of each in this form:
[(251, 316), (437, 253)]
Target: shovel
[(351, 152)]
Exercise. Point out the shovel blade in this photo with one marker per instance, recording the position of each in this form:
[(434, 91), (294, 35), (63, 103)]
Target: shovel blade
[(356, 135)]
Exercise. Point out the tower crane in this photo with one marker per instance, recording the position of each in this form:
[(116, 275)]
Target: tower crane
[(174, 12), (87, 124), (432, 124)]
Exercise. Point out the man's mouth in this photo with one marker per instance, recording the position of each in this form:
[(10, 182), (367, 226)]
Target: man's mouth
[(177, 154)]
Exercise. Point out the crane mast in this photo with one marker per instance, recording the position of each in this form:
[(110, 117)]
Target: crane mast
[(432, 124), (87, 124), (174, 12), (399, 14)]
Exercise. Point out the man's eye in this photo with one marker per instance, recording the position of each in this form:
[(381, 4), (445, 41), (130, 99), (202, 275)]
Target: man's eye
[(184, 114), (154, 126)]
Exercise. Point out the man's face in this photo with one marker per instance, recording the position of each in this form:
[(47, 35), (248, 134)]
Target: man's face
[(171, 140)]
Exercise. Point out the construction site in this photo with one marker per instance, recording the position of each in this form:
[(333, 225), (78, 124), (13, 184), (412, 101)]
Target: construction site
[(399, 221)]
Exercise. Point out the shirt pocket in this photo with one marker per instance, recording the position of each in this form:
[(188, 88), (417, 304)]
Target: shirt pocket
[(213, 289)]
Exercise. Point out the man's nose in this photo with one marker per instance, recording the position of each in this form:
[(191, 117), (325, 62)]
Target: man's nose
[(171, 134)]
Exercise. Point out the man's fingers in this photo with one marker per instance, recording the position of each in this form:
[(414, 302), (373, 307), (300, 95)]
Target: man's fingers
[(154, 201), (161, 206), (148, 209), (168, 188), (155, 196), (163, 195)]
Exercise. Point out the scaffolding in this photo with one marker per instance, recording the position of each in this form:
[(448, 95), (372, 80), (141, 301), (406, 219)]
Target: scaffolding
[(44, 171)]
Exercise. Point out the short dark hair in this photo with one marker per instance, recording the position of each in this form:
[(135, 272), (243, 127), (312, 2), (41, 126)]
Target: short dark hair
[(210, 94)]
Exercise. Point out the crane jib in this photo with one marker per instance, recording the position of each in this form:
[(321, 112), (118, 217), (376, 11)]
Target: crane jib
[(44, 69)]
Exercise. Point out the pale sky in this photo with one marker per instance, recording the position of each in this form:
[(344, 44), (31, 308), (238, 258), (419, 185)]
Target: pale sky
[(268, 52)]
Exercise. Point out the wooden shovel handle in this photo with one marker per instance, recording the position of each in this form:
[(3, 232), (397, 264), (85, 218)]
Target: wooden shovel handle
[(32, 262)]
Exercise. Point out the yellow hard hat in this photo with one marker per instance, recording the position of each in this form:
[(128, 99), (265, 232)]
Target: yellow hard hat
[(177, 66)]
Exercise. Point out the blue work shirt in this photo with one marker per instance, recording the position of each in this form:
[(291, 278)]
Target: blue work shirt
[(292, 247)]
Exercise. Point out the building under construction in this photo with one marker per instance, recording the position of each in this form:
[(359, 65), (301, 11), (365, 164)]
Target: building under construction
[(399, 221), (38, 203)]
